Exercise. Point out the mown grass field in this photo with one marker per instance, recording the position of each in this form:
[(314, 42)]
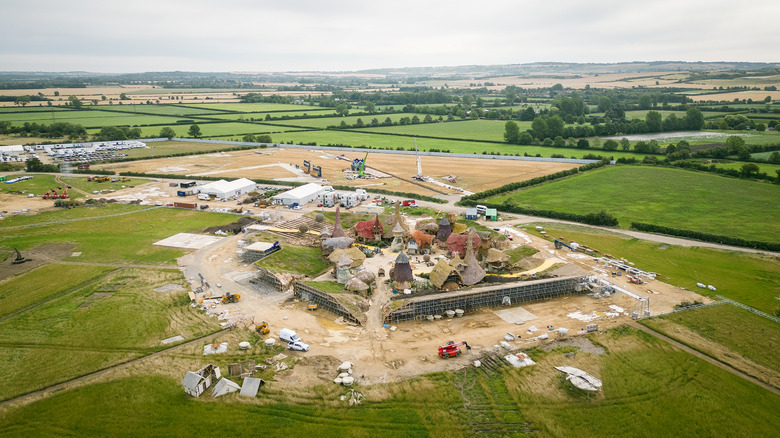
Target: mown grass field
[(669, 197), (751, 279), (125, 237), (295, 259), (324, 122), (277, 116), (163, 110), (648, 392), (81, 182), (747, 334), (88, 119), (114, 316), (20, 292), (769, 169), (206, 129)]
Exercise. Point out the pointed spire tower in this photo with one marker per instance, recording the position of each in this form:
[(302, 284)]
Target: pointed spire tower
[(338, 230), (473, 273)]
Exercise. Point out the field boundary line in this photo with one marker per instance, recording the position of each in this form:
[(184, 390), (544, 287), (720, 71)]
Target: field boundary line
[(750, 309), (723, 365), (66, 383)]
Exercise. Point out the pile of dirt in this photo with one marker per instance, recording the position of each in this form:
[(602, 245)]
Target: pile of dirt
[(234, 228)]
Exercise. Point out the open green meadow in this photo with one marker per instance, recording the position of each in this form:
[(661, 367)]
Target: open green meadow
[(751, 279), (324, 122), (295, 259), (255, 107), (745, 333), (165, 148), (669, 197), (163, 110), (80, 182), (480, 130), (277, 116), (123, 235), (769, 169), (87, 118), (381, 141), (648, 388), (111, 317)]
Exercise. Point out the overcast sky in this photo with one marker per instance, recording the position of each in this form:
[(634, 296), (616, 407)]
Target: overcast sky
[(345, 35)]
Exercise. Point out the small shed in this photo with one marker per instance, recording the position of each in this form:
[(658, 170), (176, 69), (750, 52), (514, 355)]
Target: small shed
[(196, 383), (471, 214), (491, 214), (223, 387), (251, 386)]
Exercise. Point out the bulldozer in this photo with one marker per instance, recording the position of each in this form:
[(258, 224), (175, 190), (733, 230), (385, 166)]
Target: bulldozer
[(230, 298), (262, 328), (19, 259)]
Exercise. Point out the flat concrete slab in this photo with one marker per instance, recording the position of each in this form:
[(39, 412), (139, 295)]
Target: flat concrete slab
[(515, 315), (187, 241)]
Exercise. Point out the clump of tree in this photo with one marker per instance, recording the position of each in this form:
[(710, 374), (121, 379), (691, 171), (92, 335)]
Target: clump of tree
[(35, 165), (112, 133)]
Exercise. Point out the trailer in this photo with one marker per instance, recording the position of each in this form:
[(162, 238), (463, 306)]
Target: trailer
[(186, 185), (189, 205)]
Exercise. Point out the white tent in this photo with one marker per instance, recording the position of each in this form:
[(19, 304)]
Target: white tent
[(224, 386), (299, 195), (227, 189)]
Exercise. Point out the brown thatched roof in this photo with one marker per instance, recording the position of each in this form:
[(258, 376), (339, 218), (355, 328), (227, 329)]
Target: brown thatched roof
[(441, 272), (366, 276), (402, 271), (338, 230), (457, 242), (496, 256), (473, 273), (354, 254), (395, 220), (459, 228)]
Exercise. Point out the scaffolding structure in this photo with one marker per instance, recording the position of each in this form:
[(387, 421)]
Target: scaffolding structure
[(489, 296), (323, 300), (266, 277)]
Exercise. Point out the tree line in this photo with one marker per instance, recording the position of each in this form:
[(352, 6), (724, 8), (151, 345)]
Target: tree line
[(705, 237)]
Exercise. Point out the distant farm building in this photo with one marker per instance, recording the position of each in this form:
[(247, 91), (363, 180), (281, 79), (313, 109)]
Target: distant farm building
[(299, 195), (228, 189)]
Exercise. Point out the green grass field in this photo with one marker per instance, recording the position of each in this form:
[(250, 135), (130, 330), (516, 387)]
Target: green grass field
[(114, 318), (275, 115), (163, 110), (648, 392), (254, 107), (88, 119), (324, 122), (295, 259), (745, 333), (487, 130), (98, 238), (38, 185), (751, 279), (769, 169), (365, 139), (81, 182), (669, 197), (20, 292)]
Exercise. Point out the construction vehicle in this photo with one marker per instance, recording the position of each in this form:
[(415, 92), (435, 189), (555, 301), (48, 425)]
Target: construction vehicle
[(230, 298), (311, 307), (262, 328), (19, 259), (452, 350), (65, 194), (559, 245), (419, 176), (47, 195)]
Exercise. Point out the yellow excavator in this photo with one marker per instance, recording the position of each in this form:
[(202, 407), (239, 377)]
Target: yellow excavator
[(262, 328), (230, 298)]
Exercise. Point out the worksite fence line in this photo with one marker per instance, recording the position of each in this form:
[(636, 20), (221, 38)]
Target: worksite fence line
[(750, 309), (383, 151)]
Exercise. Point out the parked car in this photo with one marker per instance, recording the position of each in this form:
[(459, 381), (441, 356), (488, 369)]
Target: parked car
[(298, 346)]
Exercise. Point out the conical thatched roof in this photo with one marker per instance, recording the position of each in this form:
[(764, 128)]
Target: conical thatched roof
[(444, 229), (459, 228), (338, 230), (402, 271), (355, 285), (473, 273), (441, 272), (326, 232), (344, 260), (396, 220), (355, 255)]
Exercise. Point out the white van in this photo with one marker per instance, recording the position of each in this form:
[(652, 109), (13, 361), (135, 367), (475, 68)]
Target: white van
[(204, 197), (481, 209), (288, 335)]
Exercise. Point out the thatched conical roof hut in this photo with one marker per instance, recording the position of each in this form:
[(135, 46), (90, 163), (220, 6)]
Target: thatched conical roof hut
[(442, 272), (445, 229), (473, 273), (354, 254), (356, 285), (402, 271), (395, 221)]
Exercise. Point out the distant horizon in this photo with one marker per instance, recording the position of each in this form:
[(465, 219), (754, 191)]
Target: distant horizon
[(368, 70), (349, 36)]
